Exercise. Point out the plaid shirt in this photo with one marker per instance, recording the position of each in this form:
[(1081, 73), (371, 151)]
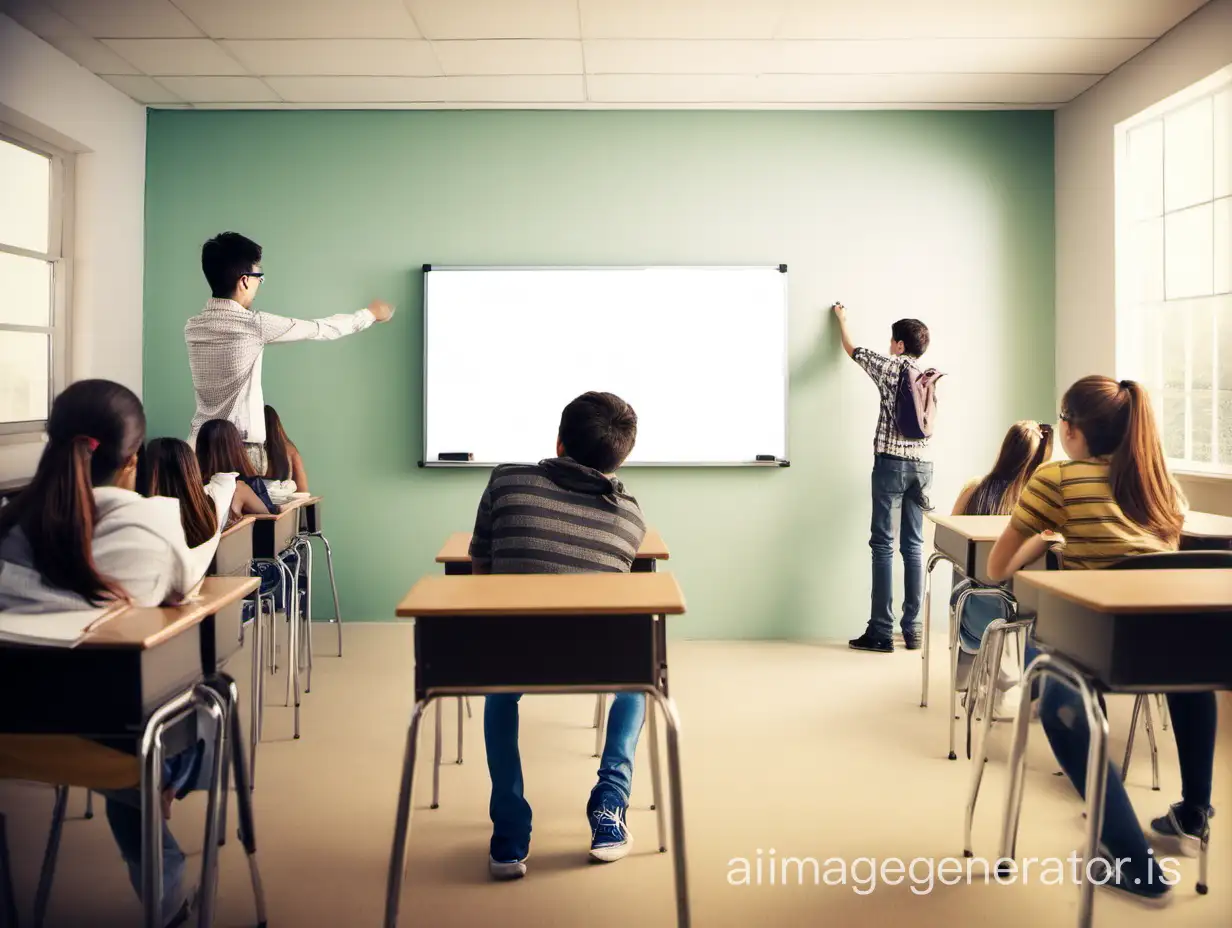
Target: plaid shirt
[(225, 346), (885, 373)]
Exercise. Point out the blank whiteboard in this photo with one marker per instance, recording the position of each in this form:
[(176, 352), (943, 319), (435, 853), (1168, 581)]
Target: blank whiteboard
[(699, 352)]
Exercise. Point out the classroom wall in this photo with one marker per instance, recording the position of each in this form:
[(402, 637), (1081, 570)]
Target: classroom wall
[(943, 216), (44, 92), (1085, 183)]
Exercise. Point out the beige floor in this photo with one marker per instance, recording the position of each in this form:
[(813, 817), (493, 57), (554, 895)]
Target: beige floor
[(809, 750)]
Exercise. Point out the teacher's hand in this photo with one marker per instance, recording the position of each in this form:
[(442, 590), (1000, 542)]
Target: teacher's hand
[(381, 310), (840, 311)]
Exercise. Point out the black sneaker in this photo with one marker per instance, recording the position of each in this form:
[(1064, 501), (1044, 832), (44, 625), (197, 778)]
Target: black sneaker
[(867, 642), (912, 639), (1182, 828), (1153, 893)]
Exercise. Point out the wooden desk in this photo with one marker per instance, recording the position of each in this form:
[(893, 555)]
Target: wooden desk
[(455, 553), (234, 555), (311, 523), (1206, 530), (1124, 631), (128, 666), (273, 533), (543, 633), (1133, 631)]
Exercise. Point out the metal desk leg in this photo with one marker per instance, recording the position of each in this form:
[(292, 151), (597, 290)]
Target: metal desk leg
[(436, 761), (333, 586), (291, 603), (243, 797), (151, 806), (460, 710), (402, 821), (994, 640), (305, 564), (955, 619), (89, 813), (1150, 737), (600, 723), (928, 624), (598, 719), (679, 858), (656, 774), (213, 704), (1051, 665), (254, 719), (42, 895)]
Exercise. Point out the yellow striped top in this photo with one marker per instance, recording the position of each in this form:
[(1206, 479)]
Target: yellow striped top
[(1075, 499)]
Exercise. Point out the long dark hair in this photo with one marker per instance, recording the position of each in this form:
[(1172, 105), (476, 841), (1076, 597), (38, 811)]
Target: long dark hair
[(1025, 447), (1117, 422), (278, 447), (220, 450), (168, 467), (94, 429)]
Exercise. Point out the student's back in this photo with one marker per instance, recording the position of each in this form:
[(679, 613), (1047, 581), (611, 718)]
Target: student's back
[(555, 517), (79, 535), (220, 451)]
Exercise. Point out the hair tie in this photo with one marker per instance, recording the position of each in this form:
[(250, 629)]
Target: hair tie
[(1045, 429), (1125, 384), (91, 443)]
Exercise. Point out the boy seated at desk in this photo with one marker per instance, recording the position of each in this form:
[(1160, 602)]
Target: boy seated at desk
[(567, 514)]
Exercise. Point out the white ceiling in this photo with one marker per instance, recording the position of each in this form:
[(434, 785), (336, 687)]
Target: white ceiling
[(600, 53)]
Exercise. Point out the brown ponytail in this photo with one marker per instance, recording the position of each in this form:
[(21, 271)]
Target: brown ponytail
[(168, 467), (277, 447), (1025, 447), (94, 429), (1117, 422), (220, 450)]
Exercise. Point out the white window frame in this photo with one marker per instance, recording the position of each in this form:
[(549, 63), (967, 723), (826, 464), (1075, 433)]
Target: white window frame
[(60, 255), (1138, 358)]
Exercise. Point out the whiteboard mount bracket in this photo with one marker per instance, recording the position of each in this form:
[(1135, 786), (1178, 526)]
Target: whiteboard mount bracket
[(782, 268)]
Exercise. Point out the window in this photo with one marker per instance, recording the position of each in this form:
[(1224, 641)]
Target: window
[(1174, 268), (35, 232)]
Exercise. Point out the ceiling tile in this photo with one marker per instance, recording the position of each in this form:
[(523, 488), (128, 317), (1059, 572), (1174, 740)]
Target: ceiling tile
[(93, 55), (134, 19), (809, 19), (220, 89), (302, 19), (680, 19), (141, 88), (175, 56), (399, 57), (68, 38), (496, 19), (510, 89), (510, 56), (809, 89)]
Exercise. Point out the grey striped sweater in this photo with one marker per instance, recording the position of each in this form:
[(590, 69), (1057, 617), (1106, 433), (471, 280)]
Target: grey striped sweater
[(555, 517)]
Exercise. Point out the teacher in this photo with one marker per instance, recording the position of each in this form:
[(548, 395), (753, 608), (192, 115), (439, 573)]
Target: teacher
[(227, 339)]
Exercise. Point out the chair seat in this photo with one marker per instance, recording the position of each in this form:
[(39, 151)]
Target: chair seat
[(66, 760)]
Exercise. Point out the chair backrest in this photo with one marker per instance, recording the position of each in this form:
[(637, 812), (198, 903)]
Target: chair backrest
[(1176, 560)]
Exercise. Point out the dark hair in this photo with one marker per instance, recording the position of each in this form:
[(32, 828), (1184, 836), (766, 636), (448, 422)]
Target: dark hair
[(226, 258), (278, 447), (220, 450), (95, 427), (1025, 447), (1117, 421), (913, 334), (168, 467), (598, 430)]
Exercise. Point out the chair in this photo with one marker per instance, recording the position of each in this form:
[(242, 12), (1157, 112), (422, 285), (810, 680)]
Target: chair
[(988, 592), (1168, 560), (312, 529)]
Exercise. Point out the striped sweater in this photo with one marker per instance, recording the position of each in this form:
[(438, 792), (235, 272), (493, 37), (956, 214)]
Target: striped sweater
[(1075, 499), (555, 517)]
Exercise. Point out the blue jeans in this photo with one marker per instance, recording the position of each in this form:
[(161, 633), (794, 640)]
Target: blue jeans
[(186, 771), (978, 613), (1064, 721), (509, 810), (899, 486)]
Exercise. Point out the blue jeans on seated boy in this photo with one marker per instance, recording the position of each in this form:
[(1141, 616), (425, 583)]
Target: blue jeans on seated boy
[(511, 813), (187, 771), (899, 500), (1064, 721)]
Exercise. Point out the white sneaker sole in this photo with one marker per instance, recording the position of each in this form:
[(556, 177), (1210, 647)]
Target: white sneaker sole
[(507, 870), (1185, 845), (611, 853)]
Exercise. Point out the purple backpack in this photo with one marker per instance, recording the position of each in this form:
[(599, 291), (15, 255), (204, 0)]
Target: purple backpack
[(915, 407)]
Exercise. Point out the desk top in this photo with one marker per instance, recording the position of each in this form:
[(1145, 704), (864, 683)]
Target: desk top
[(1137, 591), (287, 508), (989, 528), (144, 628), (544, 594), (456, 549), (239, 525)]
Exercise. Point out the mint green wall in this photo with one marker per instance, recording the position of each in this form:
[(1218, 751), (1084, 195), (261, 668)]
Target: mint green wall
[(944, 216)]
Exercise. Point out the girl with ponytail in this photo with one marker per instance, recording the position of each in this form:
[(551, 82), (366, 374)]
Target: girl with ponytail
[(1113, 499), (79, 536)]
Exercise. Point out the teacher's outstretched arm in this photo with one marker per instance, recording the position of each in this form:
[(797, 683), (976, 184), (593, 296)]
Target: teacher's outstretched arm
[(280, 329), (840, 313)]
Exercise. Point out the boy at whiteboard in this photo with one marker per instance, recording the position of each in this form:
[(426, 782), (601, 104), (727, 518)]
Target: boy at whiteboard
[(902, 474), (567, 514)]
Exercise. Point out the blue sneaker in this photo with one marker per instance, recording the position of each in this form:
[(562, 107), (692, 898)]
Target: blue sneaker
[(1152, 893), (609, 834), (1182, 827)]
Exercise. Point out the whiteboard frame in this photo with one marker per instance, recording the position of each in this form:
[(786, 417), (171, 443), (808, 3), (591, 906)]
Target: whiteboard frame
[(781, 268)]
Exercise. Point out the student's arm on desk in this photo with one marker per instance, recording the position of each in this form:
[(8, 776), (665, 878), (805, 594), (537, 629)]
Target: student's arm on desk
[(1014, 551), (246, 502), (481, 538), (1035, 524)]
